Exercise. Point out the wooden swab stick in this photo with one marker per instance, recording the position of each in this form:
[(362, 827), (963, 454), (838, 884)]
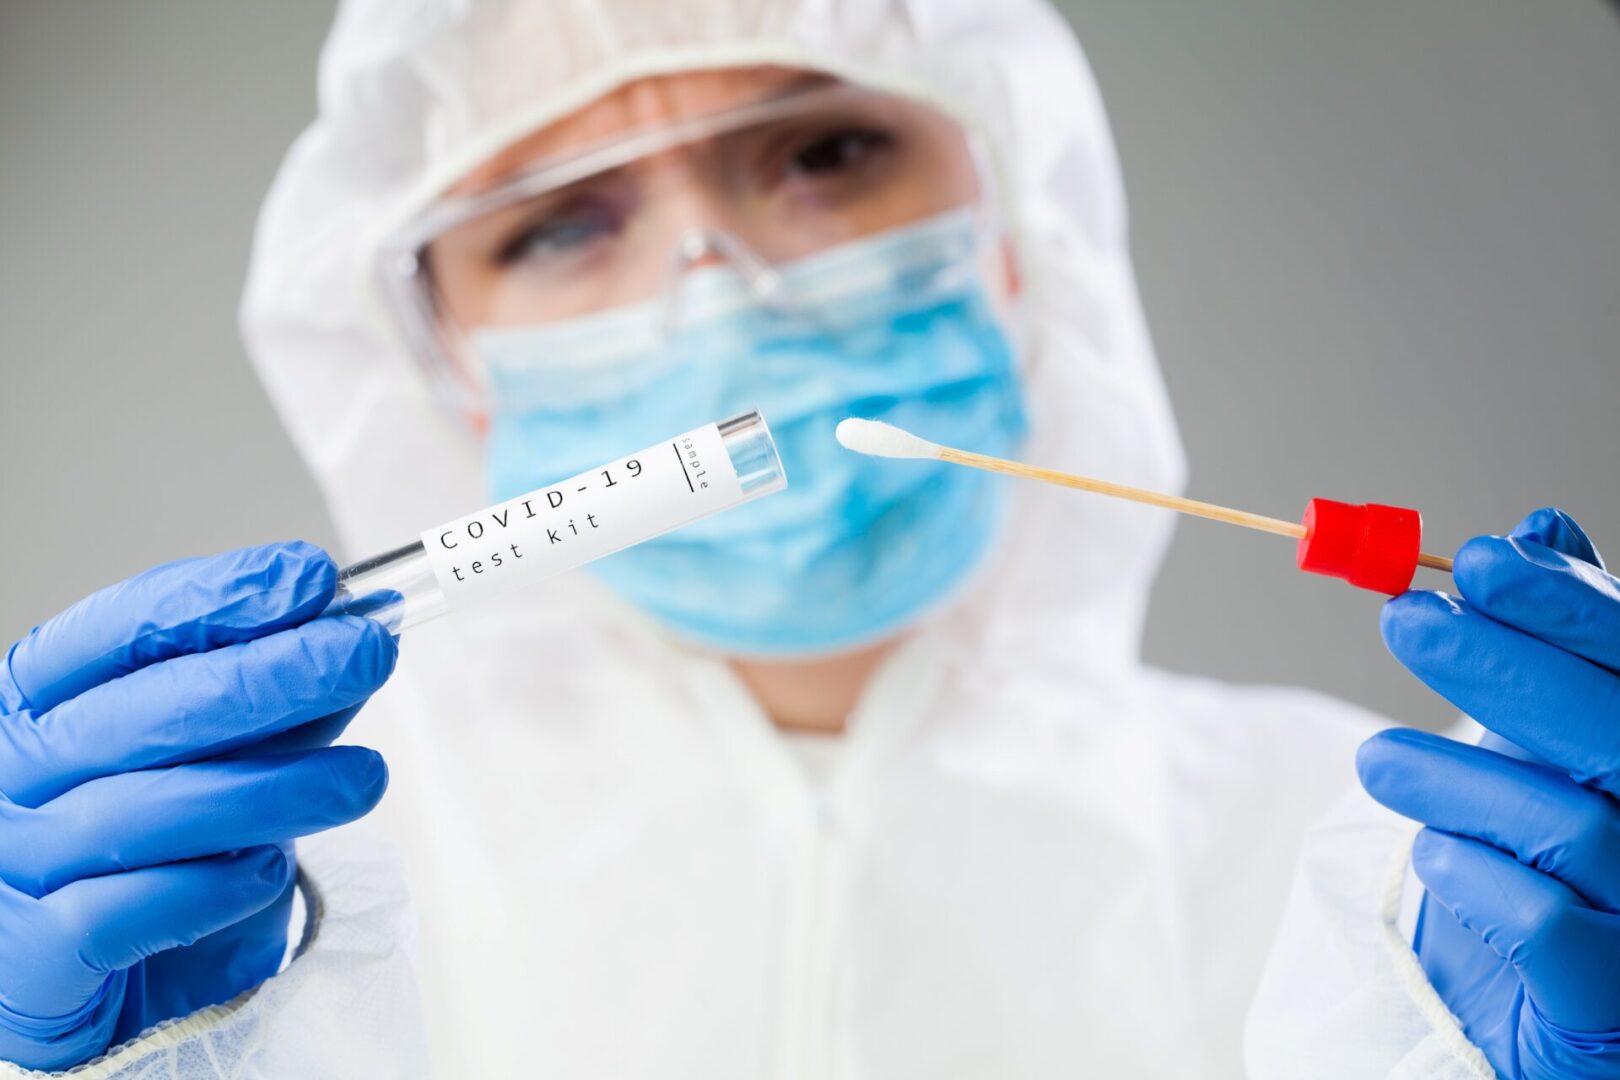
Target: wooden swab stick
[(885, 440)]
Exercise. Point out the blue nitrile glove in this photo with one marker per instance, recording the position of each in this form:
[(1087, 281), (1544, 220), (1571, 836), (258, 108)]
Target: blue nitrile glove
[(1520, 926), (161, 744)]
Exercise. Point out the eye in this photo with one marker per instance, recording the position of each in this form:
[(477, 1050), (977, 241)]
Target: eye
[(836, 152), (558, 234)]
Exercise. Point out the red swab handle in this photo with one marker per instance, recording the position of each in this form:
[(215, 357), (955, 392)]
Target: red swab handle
[(1372, 546)]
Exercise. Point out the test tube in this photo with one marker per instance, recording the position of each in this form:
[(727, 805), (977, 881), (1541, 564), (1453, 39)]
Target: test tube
[(566, 524)]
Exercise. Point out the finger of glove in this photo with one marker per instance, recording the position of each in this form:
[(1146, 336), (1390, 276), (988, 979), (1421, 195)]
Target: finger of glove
[(1538, 815), (154, 816), (310, 736), (1558, 598), (56, 1043), (195, 706), (212, 970), (1562, 949), (189, 606), (123, 918), (69, 940), (1547, 700), (1551, 527)]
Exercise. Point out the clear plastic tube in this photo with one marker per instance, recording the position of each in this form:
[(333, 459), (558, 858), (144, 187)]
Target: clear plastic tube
[(565, 525)]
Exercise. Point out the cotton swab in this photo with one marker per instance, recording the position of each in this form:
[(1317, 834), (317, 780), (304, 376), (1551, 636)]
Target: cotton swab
[(1371, 546)]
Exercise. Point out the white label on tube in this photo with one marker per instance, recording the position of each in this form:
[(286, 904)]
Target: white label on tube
[(573, 521)]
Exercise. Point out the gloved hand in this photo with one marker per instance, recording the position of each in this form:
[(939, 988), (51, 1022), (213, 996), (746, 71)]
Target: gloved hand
[(161, 744), (1520, 926)]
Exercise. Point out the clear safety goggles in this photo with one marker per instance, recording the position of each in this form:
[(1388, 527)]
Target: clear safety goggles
[(620, 223)]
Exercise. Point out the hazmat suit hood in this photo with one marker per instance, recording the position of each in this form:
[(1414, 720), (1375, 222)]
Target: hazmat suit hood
[(412, 96)]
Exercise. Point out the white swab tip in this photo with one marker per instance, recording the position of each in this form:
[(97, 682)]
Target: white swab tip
[(878, 439)]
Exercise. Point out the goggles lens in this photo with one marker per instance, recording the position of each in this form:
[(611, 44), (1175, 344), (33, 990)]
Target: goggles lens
[(618, 223)]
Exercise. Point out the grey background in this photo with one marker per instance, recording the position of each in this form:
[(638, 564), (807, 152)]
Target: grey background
[(1379, 245)]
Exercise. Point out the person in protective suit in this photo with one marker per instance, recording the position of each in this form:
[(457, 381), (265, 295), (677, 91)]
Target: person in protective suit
[(864, 779)]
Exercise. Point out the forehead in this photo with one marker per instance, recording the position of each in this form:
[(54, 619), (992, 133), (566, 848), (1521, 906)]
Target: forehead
[(648, 102)]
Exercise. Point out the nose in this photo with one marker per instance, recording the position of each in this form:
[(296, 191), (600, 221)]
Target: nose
[(698, 247), (707, 230)]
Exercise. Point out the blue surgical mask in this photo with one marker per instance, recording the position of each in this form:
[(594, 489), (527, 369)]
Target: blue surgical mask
[(897, 327)]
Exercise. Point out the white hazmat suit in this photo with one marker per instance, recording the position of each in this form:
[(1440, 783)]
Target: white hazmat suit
[(1034, 857)]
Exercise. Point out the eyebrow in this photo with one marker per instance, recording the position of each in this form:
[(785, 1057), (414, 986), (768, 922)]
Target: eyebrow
[(798, 84)]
